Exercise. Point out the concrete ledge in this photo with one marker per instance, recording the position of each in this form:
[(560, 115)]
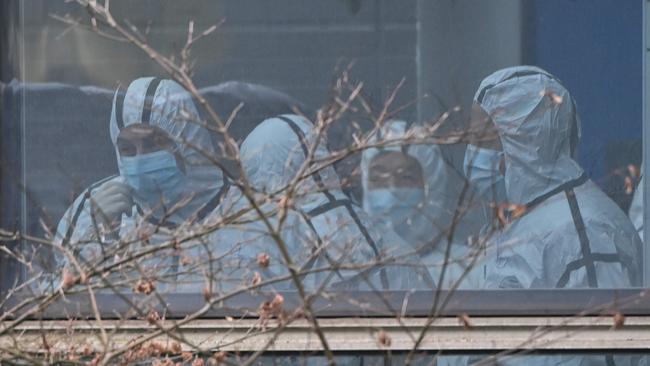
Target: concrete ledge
[(349, 334)]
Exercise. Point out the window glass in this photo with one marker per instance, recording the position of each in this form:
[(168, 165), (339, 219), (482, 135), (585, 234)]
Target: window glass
[(308, 146)]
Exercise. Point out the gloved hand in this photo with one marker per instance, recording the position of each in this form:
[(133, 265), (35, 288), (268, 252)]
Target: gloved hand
[(109, 201)]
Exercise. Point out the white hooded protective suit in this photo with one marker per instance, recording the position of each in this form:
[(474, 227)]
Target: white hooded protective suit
[(166, 105), (426, 226), (572, 234), (323, 228)]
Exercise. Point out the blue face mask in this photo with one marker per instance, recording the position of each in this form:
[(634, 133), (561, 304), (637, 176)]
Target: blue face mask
[(481, 167), (401, 210), (154, 177), (393, 205)]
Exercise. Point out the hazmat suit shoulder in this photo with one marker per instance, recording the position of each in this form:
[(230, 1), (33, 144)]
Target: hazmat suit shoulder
[(77, 224), (537, 252)]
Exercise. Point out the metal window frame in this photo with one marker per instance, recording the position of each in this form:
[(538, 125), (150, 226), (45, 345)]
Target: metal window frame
[(646, 133), (356, 336), (10, 142), (543, 303), (499, 303)]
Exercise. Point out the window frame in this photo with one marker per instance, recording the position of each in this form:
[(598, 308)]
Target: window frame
[(530, 302), (10, 192), (646, 133), (360, 336), (495, 303)]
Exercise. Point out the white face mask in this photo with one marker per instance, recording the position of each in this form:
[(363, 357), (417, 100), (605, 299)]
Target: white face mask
[(481, 167)]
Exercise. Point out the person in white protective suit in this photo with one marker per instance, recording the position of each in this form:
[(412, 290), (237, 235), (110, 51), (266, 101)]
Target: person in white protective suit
[(322, 227), (563, 232), (408, 189), (166, 177), (636, 209)]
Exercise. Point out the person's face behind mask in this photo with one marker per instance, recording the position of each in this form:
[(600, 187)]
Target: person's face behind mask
[(150, 166), (396, 194), (484, 160)]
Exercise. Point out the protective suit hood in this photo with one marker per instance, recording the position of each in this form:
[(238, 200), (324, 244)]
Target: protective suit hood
[(168, 106), (426, 226), (273, 153), (538, 124), (433, 215)]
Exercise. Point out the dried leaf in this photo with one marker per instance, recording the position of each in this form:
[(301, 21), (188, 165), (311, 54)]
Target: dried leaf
[(186, 356), (507, 212), (285, 202), (83, 278), (68, 280), (629, 185), (95, 360), (156, 349), (153, 317), (87, 351), (263, 260), (465, 321), (272, 309), (634, 171), (207, 293), (219, 357), (554, 97), (619, 320), (278, 301), (175, 348), (144, 287), (257, 279), (384, 339)]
